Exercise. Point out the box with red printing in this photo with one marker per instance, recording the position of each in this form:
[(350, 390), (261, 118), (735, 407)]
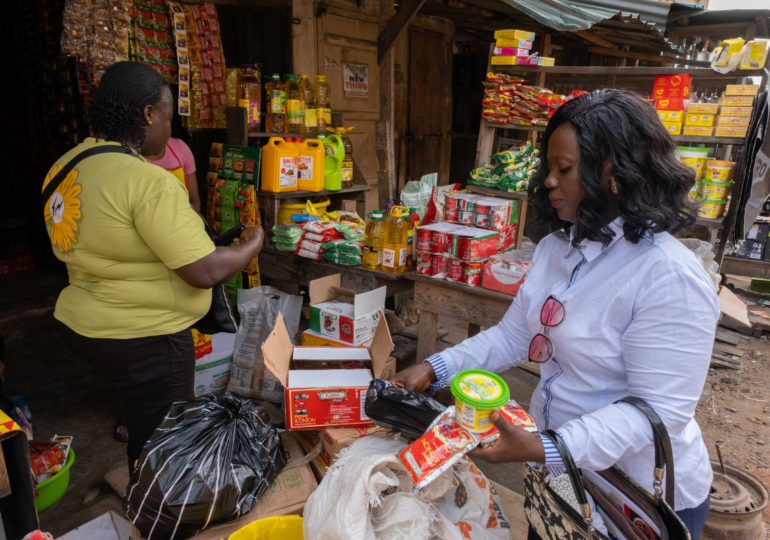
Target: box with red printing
[(504, 280), (672, 86), (508, 238), (472, 244), (670, 104), (325, 386)]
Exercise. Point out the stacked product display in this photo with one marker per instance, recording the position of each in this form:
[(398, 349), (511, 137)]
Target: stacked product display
[(513, 48), (509, 170), (713, 179), (337, 238)]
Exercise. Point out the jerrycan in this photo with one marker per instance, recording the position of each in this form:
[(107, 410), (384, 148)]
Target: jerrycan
[(335, 153), (311, 168), (279, 166)]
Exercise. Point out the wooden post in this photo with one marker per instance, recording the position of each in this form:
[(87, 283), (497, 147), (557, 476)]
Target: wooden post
[(486, 134), (426, 335), (237, 126), (304, 38), (385, 149), (397, 24)]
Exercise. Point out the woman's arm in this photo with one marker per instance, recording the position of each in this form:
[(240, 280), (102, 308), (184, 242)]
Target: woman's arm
[(192, 188)]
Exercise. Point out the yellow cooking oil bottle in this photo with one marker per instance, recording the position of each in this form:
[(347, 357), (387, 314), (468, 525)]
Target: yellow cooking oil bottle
[(311, 117), (372, 254), (279, 166), (394, 241), (311, 165), (275, 115), (295, 105)]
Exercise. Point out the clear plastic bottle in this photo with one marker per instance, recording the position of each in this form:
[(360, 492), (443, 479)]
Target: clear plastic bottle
[(372, 254), (275, 116), (311, 119), (322, 94), (295, 105), (248, 92), (394, 243)]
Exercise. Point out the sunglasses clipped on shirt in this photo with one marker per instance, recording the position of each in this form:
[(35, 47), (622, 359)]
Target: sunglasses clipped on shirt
[(552, 314)]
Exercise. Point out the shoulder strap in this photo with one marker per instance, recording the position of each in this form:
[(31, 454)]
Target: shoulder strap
[(62, 174), (664, 456)]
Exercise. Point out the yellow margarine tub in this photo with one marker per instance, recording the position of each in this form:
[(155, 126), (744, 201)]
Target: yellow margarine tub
[(719, 171), (477, 395), (694, 192), (714, 190), (712, 208), (694, 158)]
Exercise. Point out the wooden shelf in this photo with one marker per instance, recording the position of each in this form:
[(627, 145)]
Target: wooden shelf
[(310, 194), (479, 190), (359, 270), (745, 267), (458, 286), (616, 70), (513, 126), (709, 223), (282, 135)]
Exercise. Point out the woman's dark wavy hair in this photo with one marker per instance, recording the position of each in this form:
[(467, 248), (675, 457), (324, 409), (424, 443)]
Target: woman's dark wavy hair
[(118, 107), (652, 183)]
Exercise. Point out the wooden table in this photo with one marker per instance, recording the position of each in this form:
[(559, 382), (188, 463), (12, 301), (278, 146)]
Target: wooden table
[(289, 267), (475, 305)]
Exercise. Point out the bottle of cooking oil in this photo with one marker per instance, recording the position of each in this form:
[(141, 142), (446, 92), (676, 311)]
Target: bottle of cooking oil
[(311, 118), (322, 95), (347, 161), (295, 105), (275, 116), (412, 220), (372, 255), (248, 93), (394, 241)]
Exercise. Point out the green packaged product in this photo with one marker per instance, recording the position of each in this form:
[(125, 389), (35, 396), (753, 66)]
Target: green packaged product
[(343, 246), (483, 173), (342, 258), (351, 232), (281, 246), (288, 233)]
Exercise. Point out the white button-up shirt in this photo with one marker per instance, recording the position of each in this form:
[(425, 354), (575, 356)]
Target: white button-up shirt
[(640, 321)]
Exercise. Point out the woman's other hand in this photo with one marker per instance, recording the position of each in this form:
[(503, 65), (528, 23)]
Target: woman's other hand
[(515, 445), (416, 378), (252, 235)]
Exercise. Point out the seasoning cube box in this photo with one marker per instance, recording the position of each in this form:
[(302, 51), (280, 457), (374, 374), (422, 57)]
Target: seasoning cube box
[(318, 391), (341, 314), (546, 61), (733, 121), (742, 90), (737, 101), (515, 34), (704, 120), (670, 104), (729, 131), (702, 108), (504, 60), (672, 86), (674, 128), (671, 116), (525, 44), (700, 131), (737, 111), (510, 51)]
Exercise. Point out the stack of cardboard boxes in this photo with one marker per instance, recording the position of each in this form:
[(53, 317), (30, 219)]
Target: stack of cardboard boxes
[(513, 48), (670, 93), (737, 108)]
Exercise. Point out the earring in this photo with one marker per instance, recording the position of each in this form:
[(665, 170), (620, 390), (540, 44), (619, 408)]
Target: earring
[(613, 185), (149, 123)]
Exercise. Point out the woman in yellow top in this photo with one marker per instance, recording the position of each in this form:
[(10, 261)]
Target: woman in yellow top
[(140, 263)]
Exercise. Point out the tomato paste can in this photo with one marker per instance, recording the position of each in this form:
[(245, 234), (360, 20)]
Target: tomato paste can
[(425, 263), (482, 209), (451, 214), (450, 203), (472, 273), (481, 220), (455, 270), (424, 239), (438, 242), (439, 264), (466, 217), (464, 205)]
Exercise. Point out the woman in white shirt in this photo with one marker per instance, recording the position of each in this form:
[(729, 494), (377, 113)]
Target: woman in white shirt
[(628, 308)]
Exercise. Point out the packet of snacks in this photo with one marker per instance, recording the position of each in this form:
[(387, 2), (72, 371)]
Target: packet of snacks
[(443, 444), (515, 415), (64, 442)]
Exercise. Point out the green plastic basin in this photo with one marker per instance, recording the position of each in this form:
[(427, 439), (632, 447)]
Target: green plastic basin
[(53, 489)]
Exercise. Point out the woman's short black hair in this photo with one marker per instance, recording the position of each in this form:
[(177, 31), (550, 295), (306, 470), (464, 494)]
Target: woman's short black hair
[(116, 112), (652, 183)]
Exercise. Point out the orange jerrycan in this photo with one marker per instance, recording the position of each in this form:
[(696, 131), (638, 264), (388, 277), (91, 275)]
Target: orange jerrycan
[(335, 153), (279, 166), (312, 165)]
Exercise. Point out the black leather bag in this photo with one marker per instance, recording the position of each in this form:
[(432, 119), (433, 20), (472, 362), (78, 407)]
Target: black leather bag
[(553, 518)]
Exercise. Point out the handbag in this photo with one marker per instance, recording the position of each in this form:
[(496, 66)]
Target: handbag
[(220, 317), (553, 518)]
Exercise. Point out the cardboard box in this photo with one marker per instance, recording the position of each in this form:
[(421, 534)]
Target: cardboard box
[(671, 116), (389, 368), (213, 361), (504, 60), (733, 121), (525, 44), (728, 131), (758, 232), (742, 90), (308, 440), (760, 285), (672, 86), (699, 131), (674, 128), (514, 34), (341, 314), (737, 111), (702, 108), (333, 441), (546, 61), (315, 339), (737, 101), (317, 397), (670, 104), (751, 250), (472, 244), (497, 278), (703, 120), (510, 51)]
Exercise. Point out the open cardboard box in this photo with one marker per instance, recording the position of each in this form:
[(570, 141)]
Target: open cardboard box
[(342, 314), (319, 393)]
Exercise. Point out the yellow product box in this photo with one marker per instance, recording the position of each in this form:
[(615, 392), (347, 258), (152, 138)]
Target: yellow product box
[(742, 90), (754, 55), (671, 116), (733, 121), (700, 131), (737, 111), (674, 128), (316, 339), (503, 60), (514, 34), (737, 101), (729, 47), (704, 120), (702, 108), (730, 131), (545, 61)]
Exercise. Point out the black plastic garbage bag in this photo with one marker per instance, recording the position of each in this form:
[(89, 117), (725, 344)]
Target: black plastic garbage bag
[(208, 462), (396, 408)]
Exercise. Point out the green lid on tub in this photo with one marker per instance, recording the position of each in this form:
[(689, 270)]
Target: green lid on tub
[(716, 183), (692, 149), (714, 201), (480, 389)]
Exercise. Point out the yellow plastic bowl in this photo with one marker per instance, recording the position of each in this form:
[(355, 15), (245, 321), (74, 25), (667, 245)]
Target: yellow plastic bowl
[(287, 209), (273, 528), (719, 171)]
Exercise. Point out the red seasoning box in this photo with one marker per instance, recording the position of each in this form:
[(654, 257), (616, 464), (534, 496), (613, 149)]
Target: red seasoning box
[(672, 86), (325, 387), (670, 104)]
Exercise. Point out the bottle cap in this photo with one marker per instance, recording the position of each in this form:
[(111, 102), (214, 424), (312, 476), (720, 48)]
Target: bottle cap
[(290, 77), (303, 76), (377, 215), (276, 77), (320, 78)]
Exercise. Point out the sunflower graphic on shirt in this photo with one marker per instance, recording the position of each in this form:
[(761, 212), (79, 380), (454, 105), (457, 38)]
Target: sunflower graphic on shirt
[(63, 209)]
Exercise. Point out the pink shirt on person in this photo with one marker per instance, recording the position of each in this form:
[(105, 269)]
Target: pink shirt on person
[(177, 155)]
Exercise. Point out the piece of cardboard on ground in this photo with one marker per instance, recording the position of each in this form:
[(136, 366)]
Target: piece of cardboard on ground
[(513, 508), (108, 526), (734, 311), (287, 495)]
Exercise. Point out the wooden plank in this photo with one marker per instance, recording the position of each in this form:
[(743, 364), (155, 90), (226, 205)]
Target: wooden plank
[(545, 50), (759, 319), (725, 357), (648, 57), (515, 195), (514, 126), (461, 305), (426, 335), (728, 336), (268, 135), (745, 267), (637, 71), (460, 287), (237, 127), (729, 349), (486, 139), (397, 24), (385, 151), (473, 329), (596, 40), (719, 364), (531, 367), (311, 194)]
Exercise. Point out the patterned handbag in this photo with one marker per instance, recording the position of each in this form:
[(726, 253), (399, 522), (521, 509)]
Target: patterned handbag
[(555, 519)]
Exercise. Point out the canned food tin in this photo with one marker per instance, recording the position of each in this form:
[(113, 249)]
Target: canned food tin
[(439, 264), (482, 209), (438, 242), (464, 205), (472, 273), (450, 203), (481, 220), (424, 239), (424, 263), (452, 214), (455, 270), (466, 217)]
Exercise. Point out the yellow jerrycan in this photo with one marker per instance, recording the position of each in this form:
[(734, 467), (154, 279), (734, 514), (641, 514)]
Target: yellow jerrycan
[(312, 163), (279, 166), (335, 153)]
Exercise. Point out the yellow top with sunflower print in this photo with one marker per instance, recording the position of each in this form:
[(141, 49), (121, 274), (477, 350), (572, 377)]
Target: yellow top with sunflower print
[(122, 225)]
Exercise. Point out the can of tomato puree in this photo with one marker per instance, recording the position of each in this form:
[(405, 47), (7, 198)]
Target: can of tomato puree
[(451, 214), (425, 263), (455, 270), (439, 264), (472, 273), (477, 395), (438, 242), (424, 239)]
